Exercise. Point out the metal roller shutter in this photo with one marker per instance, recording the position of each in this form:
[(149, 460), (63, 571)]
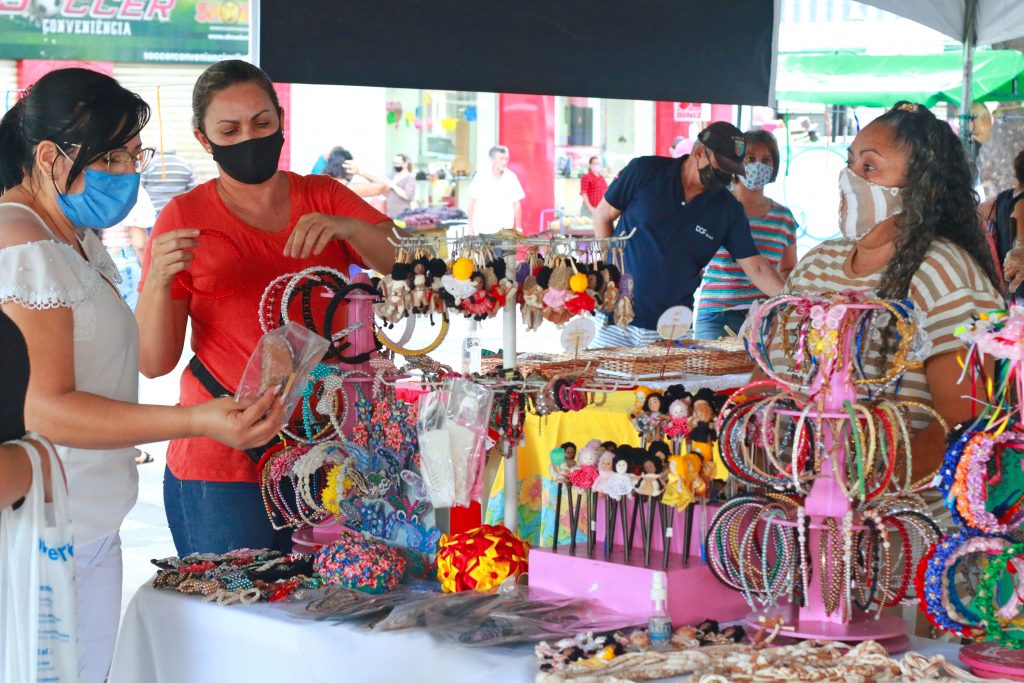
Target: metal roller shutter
[(175, 81)]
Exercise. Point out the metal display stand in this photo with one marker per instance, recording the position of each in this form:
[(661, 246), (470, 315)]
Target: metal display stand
[(510, 249)]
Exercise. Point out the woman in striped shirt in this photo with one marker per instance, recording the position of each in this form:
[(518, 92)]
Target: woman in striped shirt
[(726, 292), (909, 232)]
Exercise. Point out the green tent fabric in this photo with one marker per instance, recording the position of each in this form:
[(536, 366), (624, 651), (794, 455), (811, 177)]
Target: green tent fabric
[(878, 81)]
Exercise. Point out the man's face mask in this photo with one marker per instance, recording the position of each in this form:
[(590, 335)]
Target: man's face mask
[(712, 178), (863, 204)]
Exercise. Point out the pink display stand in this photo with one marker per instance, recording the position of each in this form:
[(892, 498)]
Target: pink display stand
[(990, 660), (625, 587), (833, 386), (693, 593), (360, 307)]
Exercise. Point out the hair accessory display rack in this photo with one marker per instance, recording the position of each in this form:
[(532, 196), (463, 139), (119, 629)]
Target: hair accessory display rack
[(826, 500), (825, 608), (510, 250)]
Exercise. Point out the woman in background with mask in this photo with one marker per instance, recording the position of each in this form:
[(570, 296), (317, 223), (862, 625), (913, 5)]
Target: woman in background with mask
[(726, 293), (213, 252), (70, 158), (907, 213)]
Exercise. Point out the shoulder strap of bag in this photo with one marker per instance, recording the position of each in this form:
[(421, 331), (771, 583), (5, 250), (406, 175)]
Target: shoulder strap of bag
[(58, 482), (206, 378), (32, 503)]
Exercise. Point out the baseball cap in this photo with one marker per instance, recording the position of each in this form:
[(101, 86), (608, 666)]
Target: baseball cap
[(727, 143)]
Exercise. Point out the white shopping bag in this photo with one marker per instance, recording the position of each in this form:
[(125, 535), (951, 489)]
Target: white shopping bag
[(37, 582)]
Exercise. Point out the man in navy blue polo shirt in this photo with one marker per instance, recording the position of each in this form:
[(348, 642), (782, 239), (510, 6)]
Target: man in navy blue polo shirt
[(683, 212)]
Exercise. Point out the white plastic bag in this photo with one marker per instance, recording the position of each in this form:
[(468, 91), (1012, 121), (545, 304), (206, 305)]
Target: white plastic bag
[(436, 449), (37, 582), (469, 412)]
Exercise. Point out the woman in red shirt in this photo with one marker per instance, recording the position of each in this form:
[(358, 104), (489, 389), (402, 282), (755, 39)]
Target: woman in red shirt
[(280, 223)]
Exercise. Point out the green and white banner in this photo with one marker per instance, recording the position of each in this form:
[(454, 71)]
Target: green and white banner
[(197, 31)]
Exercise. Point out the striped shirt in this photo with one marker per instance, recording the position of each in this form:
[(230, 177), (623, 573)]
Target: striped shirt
[(725, 285), (611, 335), (949, 288), (179, 179)]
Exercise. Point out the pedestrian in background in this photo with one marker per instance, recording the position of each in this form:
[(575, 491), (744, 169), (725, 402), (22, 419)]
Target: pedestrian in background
[(726, 292), (592, 187), (495, 197)]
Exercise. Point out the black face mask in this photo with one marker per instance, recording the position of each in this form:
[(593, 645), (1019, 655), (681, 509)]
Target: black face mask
[(712, 179), (251, 162), (399, 169)]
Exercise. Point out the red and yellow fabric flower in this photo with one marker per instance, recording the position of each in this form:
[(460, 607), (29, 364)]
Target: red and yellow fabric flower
[(480, 559)]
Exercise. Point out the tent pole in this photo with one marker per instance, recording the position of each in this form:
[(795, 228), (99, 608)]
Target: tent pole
[(967, 97)]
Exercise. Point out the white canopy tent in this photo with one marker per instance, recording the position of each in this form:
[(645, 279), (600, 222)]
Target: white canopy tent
[(972, 22), (995, 20)]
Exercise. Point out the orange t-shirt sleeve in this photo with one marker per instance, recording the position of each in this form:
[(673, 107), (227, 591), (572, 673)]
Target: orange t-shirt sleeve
[(345, 202), (169, 219)]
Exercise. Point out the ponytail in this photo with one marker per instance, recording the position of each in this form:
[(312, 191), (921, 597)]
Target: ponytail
[(12, 147)]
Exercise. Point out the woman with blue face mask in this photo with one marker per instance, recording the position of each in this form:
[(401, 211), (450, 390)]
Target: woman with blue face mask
[(726, 292), (70, 158)]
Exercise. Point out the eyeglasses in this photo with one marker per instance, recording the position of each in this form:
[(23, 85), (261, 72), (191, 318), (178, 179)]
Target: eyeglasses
[(122, 160), (126, 160)]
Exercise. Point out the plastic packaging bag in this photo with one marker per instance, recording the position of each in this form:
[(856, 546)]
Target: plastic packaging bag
[(436, 449), (521, 615), (283, 359), (37, 589), (469, 411)]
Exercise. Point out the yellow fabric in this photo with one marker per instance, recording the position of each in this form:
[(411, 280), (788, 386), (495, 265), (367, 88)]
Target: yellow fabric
[(609, 422)]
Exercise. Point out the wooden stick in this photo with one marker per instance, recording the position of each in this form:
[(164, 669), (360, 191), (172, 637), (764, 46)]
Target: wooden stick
[(644, 537), (667, 513), (591, 522), (687, 534), (632, 525), (649, 541), (611, 514), (558, 517), (627, 540), (574, 520)]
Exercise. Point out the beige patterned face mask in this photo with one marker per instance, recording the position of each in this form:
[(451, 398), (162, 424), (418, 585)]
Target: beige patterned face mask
[(863, 204)]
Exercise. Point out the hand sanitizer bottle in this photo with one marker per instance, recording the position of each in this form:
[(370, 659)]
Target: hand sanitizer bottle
[(659, 626)]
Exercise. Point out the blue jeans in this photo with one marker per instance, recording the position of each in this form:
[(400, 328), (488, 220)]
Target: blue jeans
[(711, 325), (217, 516), (130, 269)]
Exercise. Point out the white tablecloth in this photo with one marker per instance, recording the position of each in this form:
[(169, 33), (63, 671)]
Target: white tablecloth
[(167, 637)]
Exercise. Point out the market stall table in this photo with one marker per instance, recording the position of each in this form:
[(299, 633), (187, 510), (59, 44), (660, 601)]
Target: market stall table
[(167, 637)]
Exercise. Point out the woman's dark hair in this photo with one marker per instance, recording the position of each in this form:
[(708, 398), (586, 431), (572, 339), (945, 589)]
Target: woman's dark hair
[(568, 444), (75, 109), (1018, 166), (591, 160), (221, 76), (336, 163), (938, 198), (768, 140)]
